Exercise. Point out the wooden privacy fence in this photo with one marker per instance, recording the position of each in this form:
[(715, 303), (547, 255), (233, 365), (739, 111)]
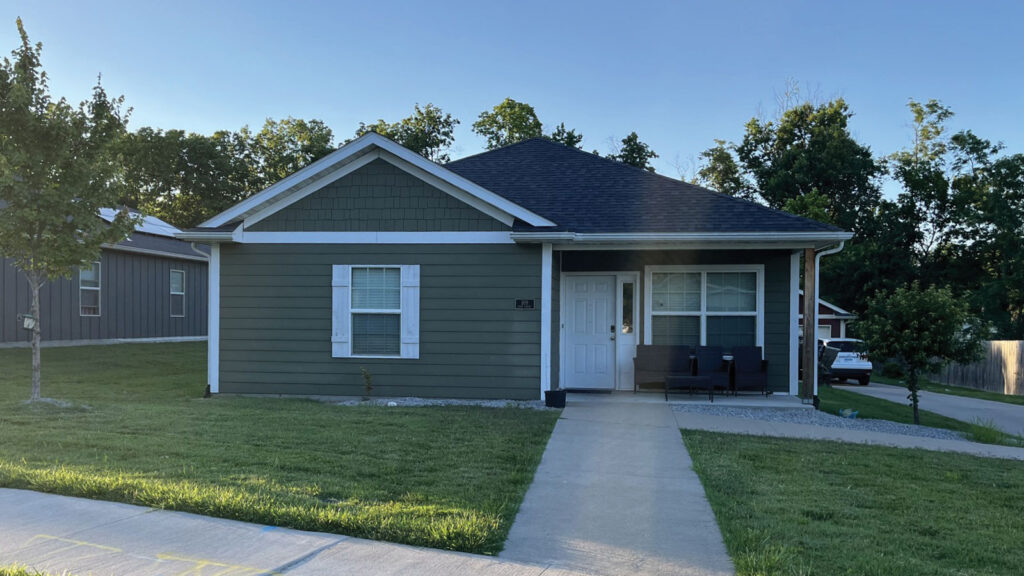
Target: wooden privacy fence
[(1001, 370)]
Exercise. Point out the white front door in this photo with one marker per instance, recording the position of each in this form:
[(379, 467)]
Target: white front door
[(590, 330)]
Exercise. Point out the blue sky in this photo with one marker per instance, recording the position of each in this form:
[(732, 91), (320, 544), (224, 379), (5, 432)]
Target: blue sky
[(679, 73)]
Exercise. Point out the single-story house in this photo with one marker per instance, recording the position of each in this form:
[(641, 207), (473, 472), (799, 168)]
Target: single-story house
[(832, 320), (499, 275), (148, 287)]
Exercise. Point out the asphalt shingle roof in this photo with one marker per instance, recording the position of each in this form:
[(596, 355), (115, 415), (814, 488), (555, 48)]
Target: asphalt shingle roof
[(585, 193)]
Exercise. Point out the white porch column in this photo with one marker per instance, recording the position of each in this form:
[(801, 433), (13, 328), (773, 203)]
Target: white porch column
[(545, 319), (213, 320)]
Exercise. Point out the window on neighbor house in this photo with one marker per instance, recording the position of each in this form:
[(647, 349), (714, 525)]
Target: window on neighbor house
[(177, 293), (89, 282)]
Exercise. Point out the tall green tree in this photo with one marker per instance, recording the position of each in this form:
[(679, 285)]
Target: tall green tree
[(185, 178), (721, 172), (565, 136), (57, 169), (924, 329), (635, 153), (810, 148), (283, 147), (429, 132), (508, 123)]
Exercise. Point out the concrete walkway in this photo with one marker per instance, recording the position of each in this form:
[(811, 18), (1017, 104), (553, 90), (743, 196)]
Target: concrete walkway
[(1008, 417), (58, 533), (727, 424), (616, 494)]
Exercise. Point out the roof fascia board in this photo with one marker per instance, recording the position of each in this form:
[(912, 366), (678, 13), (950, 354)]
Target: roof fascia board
[(272, 208), (204, 236), (496, 200), (463, 196), (682, 237), (249, 237), (339, 155), (254, 203), (159, 253)]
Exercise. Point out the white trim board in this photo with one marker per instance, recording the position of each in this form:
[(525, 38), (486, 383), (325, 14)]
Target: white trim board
[(246, 237), (160, 253), (213, 321), (351, 152), (545, 319), (105, 342)]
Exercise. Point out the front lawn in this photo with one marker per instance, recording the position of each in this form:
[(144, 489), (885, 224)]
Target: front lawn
[(835, 399), (138, 431), (789, 507)]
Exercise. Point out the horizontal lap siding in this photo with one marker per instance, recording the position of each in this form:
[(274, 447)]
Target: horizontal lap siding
[(275, 327), (776, 286)]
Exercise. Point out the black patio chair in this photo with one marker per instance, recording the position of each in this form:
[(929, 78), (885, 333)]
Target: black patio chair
[(711, 365), (749, 370), (826, 357)]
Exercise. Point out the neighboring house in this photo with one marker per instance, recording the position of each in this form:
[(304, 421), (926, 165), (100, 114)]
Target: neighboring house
[(500, 275), (150, 286), (832, 319)]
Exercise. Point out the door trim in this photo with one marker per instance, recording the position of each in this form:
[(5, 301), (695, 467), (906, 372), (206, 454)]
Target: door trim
[(619, 275)]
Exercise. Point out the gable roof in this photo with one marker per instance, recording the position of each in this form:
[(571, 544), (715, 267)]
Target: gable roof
[(587, 194), (356, 154)]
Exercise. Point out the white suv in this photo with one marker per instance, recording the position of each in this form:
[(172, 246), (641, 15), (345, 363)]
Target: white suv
[(851, 363)]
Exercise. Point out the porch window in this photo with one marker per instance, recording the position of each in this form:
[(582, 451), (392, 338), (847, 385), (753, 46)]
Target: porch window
[(710, 307)]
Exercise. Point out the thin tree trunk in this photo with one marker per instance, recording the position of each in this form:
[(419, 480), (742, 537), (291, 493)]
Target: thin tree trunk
[(912, 386), (36, 336)]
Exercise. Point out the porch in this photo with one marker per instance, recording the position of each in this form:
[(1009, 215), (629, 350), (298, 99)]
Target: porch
[(606, 302)]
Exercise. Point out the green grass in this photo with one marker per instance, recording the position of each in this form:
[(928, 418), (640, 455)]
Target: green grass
[(139, 432), (835, 399), (19, 571), (808, 507), (930, 386)]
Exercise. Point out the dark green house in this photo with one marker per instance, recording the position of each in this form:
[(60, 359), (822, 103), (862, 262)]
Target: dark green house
[(500, 275)]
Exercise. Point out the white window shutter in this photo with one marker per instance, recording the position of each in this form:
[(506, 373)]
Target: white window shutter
[(411, 311), (341, 306)]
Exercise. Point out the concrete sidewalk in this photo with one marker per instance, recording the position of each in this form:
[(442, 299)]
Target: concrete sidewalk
[(58, 533), (732, 425), (1008, 417), (616, 494)]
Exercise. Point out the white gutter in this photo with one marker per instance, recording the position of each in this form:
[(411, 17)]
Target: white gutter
[(582, 238), (817, 300)]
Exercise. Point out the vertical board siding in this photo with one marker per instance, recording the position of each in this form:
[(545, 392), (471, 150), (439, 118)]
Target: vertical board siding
[(275, 326), (379, 197), (776, 287), (134, 301)]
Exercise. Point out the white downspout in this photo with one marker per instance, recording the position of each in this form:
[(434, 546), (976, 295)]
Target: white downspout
[(817, 301)]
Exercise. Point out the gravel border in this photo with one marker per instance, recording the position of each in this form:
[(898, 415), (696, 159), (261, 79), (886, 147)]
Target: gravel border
[(411, 401), (818, 418)]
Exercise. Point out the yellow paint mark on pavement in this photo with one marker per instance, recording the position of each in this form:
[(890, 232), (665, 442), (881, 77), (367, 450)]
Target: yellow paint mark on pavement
[(218, 568)]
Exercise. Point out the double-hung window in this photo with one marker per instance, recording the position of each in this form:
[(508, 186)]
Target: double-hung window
[(177, 293), (713, 306), (89, 286), (375, 311)]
